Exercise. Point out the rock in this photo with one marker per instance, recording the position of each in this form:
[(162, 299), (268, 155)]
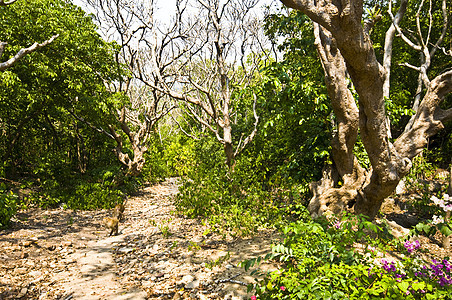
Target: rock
[(186, 279), (66, 244), (21, 270), (35, 273), (26, 243), (397, 230), (13, 248), (146, 284), (29, 263), (192, 285), (22, 293), (229, 266), (401, 188), (126, 250)]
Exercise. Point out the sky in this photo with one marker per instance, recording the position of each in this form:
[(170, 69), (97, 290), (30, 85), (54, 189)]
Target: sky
[(166, 8)]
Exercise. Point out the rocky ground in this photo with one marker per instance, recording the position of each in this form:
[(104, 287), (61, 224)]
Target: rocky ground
[(65, 254)]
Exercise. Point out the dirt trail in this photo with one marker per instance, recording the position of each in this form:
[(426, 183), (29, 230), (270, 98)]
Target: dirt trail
[(63, 254)]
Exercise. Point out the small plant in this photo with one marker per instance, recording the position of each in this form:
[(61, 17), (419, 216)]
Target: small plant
[(319, 261), (441, 219), (164, 229), (193, 246), (173, 246), (8, 207), (218, 262)]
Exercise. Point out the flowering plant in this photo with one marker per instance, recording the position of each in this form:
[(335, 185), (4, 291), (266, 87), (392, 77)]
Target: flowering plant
[(445, 203), (440, 221)]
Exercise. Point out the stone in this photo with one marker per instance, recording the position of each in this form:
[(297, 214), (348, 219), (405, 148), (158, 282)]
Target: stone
[(192, 285), (126, 250), (66, 244), (21, 270), (26, 243), (186, 279), (22, 293), (401, 188)]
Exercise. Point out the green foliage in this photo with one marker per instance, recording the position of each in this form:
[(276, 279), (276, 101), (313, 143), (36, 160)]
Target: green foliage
[(419, 180), (42, 141), (39, 94), (296, 115), (8, 206), (235, 202), (218, 262), (320, 262), (101, 188)]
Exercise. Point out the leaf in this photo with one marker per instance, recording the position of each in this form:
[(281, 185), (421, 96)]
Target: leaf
[(418, 285), (403, 286), (446, 230)]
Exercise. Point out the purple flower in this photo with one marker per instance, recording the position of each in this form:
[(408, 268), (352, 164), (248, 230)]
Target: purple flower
[(389, 267), (337, 225), (412, 246)]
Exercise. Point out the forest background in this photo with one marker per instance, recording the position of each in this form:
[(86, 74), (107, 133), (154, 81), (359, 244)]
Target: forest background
[(229, 96)]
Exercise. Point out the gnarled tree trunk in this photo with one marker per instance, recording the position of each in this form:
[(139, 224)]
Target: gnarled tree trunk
[(345, 49)]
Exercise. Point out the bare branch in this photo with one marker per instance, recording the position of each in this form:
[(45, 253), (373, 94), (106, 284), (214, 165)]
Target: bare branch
[(24, 51), (410, 66), (403, 36), (251, 136), (3, 3), (185, 132), (98, 129), (313, 9)]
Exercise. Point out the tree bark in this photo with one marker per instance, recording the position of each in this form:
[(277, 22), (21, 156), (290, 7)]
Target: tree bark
[(339, 30)]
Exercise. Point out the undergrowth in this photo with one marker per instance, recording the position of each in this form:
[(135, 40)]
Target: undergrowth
[(347, 258)]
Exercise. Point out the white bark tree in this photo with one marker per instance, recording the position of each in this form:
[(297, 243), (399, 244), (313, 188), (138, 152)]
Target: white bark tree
[(131, 24), (345, 49), (226, 48)]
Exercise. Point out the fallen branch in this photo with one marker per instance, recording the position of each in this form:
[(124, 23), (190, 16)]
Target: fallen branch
[(231, 280)]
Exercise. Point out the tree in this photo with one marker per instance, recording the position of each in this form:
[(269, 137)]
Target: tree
[(342, 32), (39, 92), (131, 24), (221, 51), (22, 52)]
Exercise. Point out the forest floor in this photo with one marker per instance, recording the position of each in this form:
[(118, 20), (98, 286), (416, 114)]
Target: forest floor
[(66, 254)]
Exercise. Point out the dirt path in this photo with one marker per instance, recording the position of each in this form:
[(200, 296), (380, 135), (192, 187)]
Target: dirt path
[(63, 254)]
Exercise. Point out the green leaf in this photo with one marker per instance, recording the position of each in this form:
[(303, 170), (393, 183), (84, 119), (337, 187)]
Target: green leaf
[(403, 286), (446, 230)]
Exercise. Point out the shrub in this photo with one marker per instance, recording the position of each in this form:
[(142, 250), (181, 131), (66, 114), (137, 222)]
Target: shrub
[(8, 206), (320, 262)]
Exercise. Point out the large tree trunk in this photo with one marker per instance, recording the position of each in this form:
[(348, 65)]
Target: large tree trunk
[(345, 48)]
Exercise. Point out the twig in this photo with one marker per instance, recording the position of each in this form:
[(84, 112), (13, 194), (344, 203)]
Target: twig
[(231, 280)]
